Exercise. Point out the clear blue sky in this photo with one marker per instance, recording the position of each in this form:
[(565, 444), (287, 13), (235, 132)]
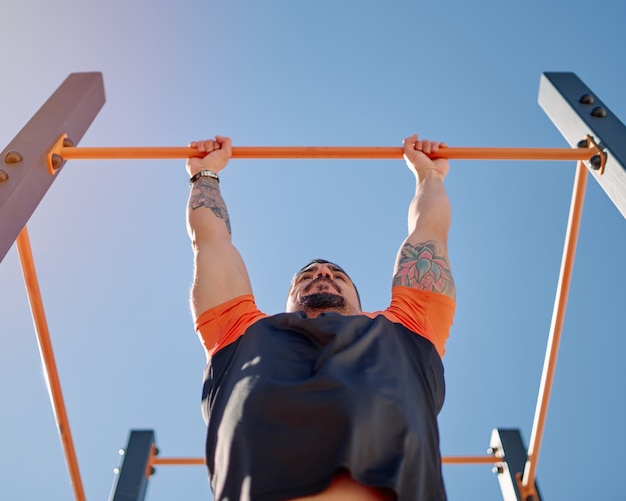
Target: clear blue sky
[(113, 256)]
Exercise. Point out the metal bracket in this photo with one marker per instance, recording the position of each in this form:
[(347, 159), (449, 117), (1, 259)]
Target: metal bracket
[(598, 161), (54, 159)]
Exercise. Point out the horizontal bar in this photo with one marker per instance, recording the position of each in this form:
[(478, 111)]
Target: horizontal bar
[(445, 460), (471, 460), (178, 461), (353, 152)]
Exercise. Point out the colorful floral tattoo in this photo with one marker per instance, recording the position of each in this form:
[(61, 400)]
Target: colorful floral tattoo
[(420, 267), (206, 193)]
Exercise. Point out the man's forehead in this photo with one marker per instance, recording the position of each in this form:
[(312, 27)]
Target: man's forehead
[(314, 264)]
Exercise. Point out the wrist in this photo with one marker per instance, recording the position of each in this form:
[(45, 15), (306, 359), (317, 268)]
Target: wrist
[(430, 174), (204, 173)]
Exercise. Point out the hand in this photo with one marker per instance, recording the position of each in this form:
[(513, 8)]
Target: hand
[(415, 151), (219, 151)]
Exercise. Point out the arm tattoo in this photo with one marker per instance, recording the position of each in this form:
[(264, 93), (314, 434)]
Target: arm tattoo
[(420, 267), (206, 193)]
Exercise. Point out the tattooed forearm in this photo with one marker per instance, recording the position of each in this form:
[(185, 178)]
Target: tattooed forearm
[(206, 193), (420, 267)]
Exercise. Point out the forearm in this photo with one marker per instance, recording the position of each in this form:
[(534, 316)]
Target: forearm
[(207, 215), (219, 272), (422, 261), (429, 211)]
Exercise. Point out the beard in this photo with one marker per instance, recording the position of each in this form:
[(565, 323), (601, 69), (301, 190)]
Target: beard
[(322, 301)]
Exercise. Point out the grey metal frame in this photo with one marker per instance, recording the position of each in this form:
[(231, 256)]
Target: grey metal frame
[(24, 175), (131, 481), (508, 445), (577, 112)]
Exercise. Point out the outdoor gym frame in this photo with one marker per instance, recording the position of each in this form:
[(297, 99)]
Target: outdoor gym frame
[(32, 161)]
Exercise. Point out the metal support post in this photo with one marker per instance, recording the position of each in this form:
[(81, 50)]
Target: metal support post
[(131, 481), (508, 445), (24, 176), (577, 112), (48, 361)]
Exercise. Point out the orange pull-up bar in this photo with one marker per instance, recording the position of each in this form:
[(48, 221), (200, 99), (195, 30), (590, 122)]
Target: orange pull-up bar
[(355, 152), (64, 150)]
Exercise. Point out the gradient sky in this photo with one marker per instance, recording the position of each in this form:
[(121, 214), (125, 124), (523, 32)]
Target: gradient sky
[(115, 264)]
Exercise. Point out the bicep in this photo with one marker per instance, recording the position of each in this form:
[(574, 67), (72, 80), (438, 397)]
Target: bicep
[(219, 276), (424, 264)]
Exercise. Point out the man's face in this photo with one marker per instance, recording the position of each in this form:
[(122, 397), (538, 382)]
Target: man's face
[(323, 287)]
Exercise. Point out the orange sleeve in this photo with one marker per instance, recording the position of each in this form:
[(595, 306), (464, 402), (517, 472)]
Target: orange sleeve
[(223, 324), (426, 313)]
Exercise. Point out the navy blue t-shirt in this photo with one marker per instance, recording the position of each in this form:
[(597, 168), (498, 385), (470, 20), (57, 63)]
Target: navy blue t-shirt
[(295, 399)]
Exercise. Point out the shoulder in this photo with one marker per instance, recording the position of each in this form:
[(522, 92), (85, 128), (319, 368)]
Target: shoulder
[(426, 313), (226, 322)]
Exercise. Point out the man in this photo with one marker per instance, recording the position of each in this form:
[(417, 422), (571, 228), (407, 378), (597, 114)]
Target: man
[(324, 402)]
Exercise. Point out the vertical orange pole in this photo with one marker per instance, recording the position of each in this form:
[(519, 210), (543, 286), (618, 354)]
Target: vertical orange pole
[(47, 358), (556, 327)]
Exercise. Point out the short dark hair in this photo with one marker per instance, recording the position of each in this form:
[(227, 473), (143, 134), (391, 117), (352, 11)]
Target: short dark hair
[(325, 261)]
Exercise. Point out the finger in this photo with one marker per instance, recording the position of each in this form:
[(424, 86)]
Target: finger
[(434, 147), (443, 145), (410, 140), (426, 146), (225, 144), (217, 144), (419, 144)]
